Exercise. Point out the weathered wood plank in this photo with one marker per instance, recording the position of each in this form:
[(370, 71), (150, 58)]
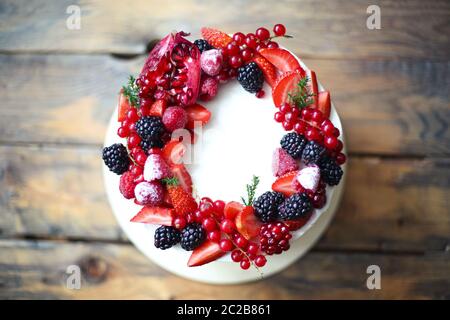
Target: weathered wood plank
[(322, 28), (388, 107), (36, 270), (399, 205)]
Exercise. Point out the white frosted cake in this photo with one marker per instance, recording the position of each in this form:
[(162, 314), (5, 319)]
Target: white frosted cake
[(236, 144)]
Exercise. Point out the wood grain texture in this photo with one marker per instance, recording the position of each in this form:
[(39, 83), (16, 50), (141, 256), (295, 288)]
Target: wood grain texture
[(37, 270), (322, 28), (388, 107), (58, 193)]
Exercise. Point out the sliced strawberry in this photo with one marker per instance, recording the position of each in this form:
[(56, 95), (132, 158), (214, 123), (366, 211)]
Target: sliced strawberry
[(216, 38), (157, 108), (284, 184), (232, 208), (282, 59), (285, 84), (174, 151), (270, 73), (197, 113), (312, 86), (123, 107), (155, 215), (324, 103), (247, 223), (206, 253), (180, 172)]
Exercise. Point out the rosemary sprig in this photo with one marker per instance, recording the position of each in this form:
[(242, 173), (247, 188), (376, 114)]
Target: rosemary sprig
[(131, 91), (251, 189), (170, 181), (301, 97)]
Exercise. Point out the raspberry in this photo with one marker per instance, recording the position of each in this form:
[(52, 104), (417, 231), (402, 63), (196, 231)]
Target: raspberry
[(211, 62), (274, 238), (282, 163), (149, 193), (174, 118), (127, 185), (208, 88), (156, 168)]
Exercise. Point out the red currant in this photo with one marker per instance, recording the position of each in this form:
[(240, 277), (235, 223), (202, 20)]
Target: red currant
[(239, 38), (327, 127), (209, 224), (306, 114), (316, 116), (219, 206), (279, 116), (235, 61), (260, 261), (339, 146), (179, 223), (287, 125), (199, 216), (241, 242), (190, 218), (272, 45), (236, 255), (262, 34), (285, 108), (252, 248), (226, 245), (247, 54), (206, 208), (245, 264), (214, 236), (300, 127), (132, 115), (330, 142), (250, 41), (312, 134), (133, 140), (260, 94), (232, 49), (136, 170), (227, 226), (141, 157), (123, 132), (336, 132), (260, 46), (279, 30), (341, 158), (318, 200)]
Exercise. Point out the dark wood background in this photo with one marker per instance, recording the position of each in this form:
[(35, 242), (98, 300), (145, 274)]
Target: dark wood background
[(58, 89)]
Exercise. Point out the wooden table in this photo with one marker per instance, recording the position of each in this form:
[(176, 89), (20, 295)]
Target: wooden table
[(59, 87)]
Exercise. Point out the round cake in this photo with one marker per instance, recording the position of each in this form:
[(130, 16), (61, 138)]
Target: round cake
[(224, 161)]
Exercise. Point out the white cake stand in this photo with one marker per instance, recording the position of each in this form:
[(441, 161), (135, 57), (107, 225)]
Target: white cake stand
[(232, 150)]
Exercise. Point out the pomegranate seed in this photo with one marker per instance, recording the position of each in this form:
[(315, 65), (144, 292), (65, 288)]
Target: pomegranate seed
[(279, 30), (245, 264), (214, 236), (239, 38), (226, 245), (179, 223), (260, 261), (341, 158), (260, 94), (227, 226), (209, 224), (236, 255), (262, 34), (318, 200)]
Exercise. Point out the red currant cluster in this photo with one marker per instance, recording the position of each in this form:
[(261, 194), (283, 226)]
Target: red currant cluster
[(243, 48), (312, 124), (274, 238)]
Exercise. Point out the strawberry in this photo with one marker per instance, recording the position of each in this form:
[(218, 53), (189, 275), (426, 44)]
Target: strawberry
[(284, 184), (127, 185), (247, 223), (155, 215), (216, 38), (206, 253), (182, 201), (197, 113), (312, 86), (270, 73), (286, 84), (180, 172), (173, 151), (157, 108), (156, 168), (324, 103), (232, 208), (123, 107), (282, 59)]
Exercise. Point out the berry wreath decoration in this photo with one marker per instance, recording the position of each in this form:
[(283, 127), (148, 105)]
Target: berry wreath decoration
[(163, 99)]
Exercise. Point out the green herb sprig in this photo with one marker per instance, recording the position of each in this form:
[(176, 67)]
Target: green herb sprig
[(131, 91), (251, 189), (301, 97)]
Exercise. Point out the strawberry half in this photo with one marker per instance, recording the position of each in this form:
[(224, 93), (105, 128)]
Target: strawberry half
[(247, 223), (123, 107), (216, 38), (286, 84), (285, 185), (270, 73), (206, 253), (197, 113), (180, 172), (282, 59), (157, 108), (173, 151), (312, 86), (182, 201), (231, 209), (155, 215), (324, 103)]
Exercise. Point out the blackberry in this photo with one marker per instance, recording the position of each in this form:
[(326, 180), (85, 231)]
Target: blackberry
[(312, 152), (192, 236), (149, 128), (293, 143), (203, 45), (330, 171), (166, 237), (116, 158), (296, 206), (148, 144), (251, 77), (266, 206)]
